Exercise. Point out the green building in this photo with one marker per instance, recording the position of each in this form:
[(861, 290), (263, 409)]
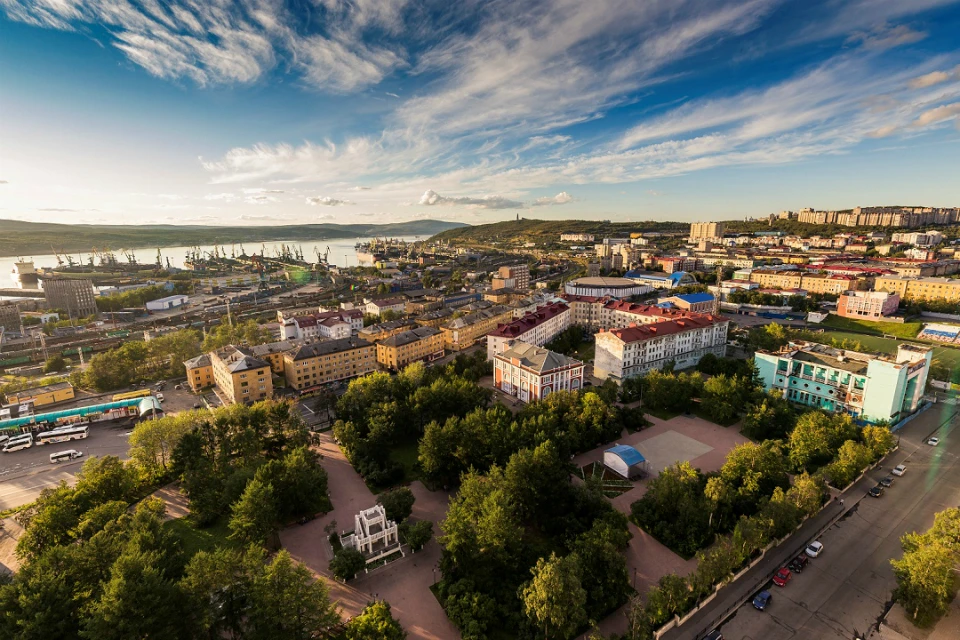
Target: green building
[(870, 387)]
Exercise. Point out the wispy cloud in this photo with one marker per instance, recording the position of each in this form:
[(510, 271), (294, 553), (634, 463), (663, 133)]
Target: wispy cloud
[(888, 36), (431, 198), (934, 78), (561, 198), (326, 201)]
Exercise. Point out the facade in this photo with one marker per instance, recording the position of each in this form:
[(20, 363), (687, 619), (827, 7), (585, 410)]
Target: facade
[(867, 305), (613, 287), (170, 302), (464, 331), (435, 318), (384, 330), (812, 282), (576, 237), (867, 386), (911, 288), (530, 373), (326, 324), (706, 231), (637, 349), (377, 307), (272, 352), (657, 280), (537, 328), (312, 365), (918, 239), (334, 328), (199, 372), (422, 343), (76, 297), (10, 316), (672, 264), (50, 394), (373, 535), (518, 273), (240, 376), (695, 302)]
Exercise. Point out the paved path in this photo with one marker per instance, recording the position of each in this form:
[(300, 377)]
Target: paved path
[(405, 583), (849, 587)]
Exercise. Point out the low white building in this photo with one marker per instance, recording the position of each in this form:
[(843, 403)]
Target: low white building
[(328, 324), (334, 328), (636, 349), (170, 302), (529, 373), (537, 328), (612, 287), (625, 461), (373, 535), (377, 307)]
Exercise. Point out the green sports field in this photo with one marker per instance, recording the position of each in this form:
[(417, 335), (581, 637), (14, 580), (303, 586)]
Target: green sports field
[(948, 355)]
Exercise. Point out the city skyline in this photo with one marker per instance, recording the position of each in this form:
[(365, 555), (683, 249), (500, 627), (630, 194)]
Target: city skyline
[(266, 114)]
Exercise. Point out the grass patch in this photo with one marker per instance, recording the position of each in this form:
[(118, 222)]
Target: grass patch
[(663, 414), (703, 415), (396, 555), (196, 539), (406, 455), (6, 513), (585, 351), (900, 330)]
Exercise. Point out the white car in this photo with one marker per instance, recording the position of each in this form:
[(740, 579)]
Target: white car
[(814, 549), (159, 397), (933, 442), (899, 470)]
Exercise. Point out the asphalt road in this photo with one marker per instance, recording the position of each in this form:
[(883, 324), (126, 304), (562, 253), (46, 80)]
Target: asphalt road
[(25, 473), (849, 587)]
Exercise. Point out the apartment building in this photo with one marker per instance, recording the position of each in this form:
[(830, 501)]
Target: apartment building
[(240, 376), (867, 305), (199, 372), (638, 348), (516, 276), (867, 386), (318, 363), (537, 328), (272, 352), (918, 238), (384, 330), (464, 331), (435, 318), (576, 237), (706, 230), (76, 297), (377, 307), (10, 317), (834, 284), (422, 343), (912, 288), (528, 372), (341, 323), (672, 264)]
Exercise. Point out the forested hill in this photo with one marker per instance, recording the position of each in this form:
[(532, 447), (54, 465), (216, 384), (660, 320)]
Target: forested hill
[(543, 230), (21, 238)]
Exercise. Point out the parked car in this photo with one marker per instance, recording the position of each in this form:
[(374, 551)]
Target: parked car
[(886, 481), (798, 564), (899, 470), (178, 387), (875, 492), (762, 600), (782, 577), (814, 549), (933, 442), (713, 635)]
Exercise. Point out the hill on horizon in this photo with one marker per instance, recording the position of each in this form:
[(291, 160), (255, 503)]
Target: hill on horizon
[(20, 237)]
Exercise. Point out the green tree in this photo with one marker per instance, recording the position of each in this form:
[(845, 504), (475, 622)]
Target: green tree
[(106, 478), (771, 419), (346, 563), (417, 534), (153, 441), (54, 364), (398, 503), (375, 622), (810, 441), (807, 493), (753, 471), (219, 584), (852, 458), (722, 398), (287, 603), (925, 579), (671, 596), (554, 599), (878, 439), (253, 516), (675, 510)]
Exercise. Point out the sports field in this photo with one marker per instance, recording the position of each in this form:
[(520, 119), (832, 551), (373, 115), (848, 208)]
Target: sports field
[(948, 355)]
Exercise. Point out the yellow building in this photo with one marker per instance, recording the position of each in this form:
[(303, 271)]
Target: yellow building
[(422, 343), (464, 331), (811, 282), (769, 279), (240, 376), (920, 288), (435, 318), (318, 363), (273, 353), (384, 330), (199, 372), (50, 394)]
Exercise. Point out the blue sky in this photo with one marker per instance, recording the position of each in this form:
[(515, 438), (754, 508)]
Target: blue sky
[(270, 112)]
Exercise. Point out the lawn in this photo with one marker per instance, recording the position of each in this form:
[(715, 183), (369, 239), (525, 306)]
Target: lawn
[(900, 330), (196, 539), (406, 454), (585, 351), (948, 355)]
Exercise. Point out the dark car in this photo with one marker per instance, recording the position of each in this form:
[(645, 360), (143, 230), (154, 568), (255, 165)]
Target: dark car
[(887, 481), (798, 564), (876, 492), (713, 635), (782, 577), (762, 600)]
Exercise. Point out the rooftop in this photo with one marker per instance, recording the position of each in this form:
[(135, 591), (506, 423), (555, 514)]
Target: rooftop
[(603, 282), (203, 360), (639, 333), (627, 453), (408, 337), (693, 298), (56, 386), (238, 359), (328, 347), (530, 320), (536, 358)]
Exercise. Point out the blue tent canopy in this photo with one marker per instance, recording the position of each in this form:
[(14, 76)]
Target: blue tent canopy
[(628, 454)]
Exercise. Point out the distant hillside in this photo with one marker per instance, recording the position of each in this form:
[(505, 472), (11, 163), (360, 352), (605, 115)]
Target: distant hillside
[(550, 230), (19, 238)]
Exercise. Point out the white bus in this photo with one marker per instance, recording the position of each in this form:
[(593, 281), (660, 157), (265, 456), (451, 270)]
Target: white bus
[(63, 435), (60, 456), (15, 444)]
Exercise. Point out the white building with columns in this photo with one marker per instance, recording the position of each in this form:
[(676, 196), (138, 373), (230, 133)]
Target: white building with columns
[(373, 534)]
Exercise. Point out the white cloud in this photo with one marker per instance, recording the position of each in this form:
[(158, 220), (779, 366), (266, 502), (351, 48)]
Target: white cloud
[(259, 199), (938, 114), (561, 198), (888, 36), (326, 201), (935, 78), (4, 182), (432, 198), (248, 216), (256, 190), (226, 197)]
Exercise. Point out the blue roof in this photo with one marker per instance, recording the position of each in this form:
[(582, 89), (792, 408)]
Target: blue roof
[(677, 275), (696, 297), (636, 273), (627, 453)]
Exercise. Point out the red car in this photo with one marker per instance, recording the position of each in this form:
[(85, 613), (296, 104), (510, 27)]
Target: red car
[(782, 577)]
